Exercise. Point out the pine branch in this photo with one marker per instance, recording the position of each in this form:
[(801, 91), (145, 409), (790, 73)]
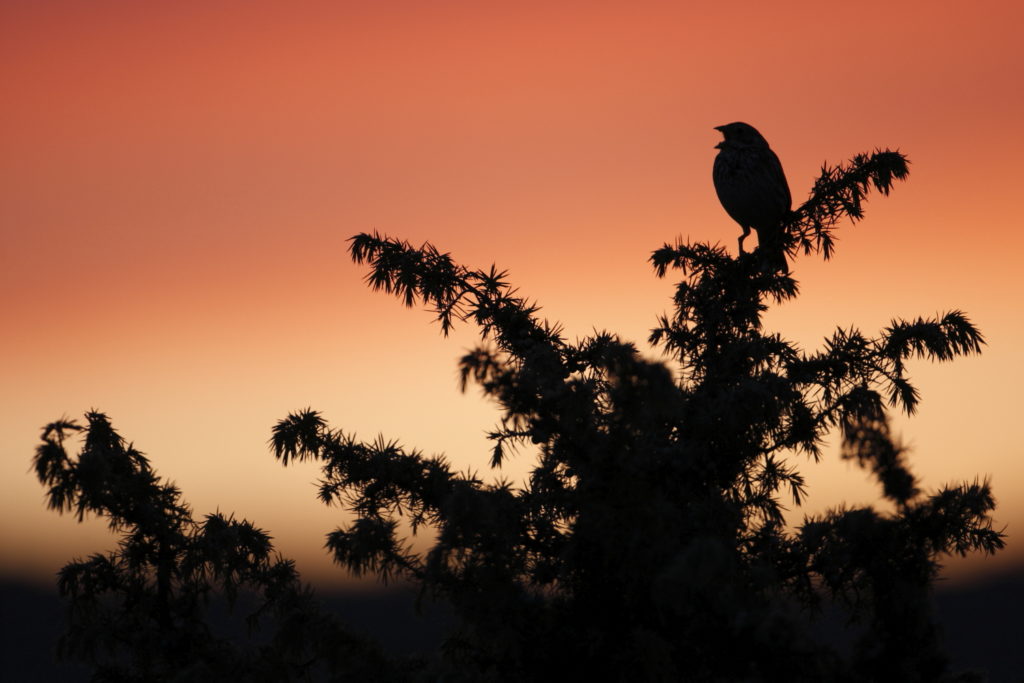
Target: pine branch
[(839, 193)]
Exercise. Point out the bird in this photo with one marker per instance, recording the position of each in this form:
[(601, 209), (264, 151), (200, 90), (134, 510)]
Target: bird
[(753, 190)]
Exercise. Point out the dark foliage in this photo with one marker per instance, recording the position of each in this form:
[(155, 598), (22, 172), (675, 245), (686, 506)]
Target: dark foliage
[(648, 542), (142, 612)]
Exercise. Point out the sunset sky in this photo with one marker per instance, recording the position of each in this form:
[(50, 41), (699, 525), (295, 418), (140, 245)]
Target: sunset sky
[(178, 182)]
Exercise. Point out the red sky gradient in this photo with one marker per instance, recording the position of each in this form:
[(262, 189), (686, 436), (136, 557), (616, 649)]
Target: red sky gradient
[(178, 181)]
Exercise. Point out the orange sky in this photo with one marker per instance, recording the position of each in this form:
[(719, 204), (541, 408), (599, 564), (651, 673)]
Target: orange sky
[(177, 182)]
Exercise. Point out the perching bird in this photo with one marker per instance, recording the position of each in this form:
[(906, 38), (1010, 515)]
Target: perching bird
[(753, 190)]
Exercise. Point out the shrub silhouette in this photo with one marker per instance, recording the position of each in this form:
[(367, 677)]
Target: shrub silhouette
[(143, 612), (648, 542)]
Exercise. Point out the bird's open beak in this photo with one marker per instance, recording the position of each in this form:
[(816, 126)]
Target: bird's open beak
[(719, 129)]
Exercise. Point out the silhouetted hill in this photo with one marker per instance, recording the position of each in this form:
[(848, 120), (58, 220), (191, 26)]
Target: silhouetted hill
[(32, 619), (981, 623)]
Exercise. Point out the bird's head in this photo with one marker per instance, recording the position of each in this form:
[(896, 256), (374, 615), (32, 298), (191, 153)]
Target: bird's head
[(740, 134)]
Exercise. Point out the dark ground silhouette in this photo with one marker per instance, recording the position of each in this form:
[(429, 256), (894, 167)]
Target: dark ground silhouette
[(981, 622), (33, 620)]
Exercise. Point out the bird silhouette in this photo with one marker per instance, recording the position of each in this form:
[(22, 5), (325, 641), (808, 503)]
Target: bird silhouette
[(753, 190)]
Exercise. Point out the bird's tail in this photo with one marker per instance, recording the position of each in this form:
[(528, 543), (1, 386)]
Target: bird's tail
[(775, 260), (772, 251)]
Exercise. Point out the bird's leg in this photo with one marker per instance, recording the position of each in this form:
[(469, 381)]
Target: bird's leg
[(746, 231)]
